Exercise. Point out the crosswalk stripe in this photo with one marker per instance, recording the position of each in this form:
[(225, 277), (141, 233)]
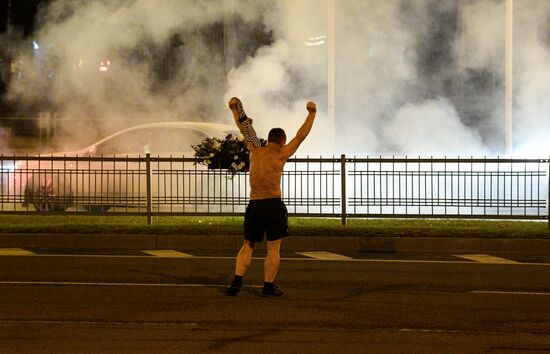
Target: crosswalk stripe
[(15, 252), (326, 256), (69, 283), (167, 253), (471, 259), (484, 258)]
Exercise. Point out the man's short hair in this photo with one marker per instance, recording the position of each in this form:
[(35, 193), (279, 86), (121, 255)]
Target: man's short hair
[(276, 135)]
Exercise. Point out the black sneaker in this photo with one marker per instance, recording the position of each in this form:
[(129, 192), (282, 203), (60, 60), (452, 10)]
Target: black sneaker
[(272, 291), (233, 289)]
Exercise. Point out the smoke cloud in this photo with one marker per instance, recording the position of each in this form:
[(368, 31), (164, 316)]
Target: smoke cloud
[(280, 79), (532, 75), (137, 41), (482, 43), (382, 101), (421, 129), (412, 77)]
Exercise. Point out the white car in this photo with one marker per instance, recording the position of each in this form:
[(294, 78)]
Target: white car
[(170, 138), (87, 179)]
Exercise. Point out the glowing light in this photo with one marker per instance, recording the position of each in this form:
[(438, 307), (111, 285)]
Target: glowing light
[(35, 45), (104, 65), (315, 41)]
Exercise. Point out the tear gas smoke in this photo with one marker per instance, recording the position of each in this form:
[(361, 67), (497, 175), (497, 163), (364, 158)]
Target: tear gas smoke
[(482, 50), (532, 126), (140, 39), (421, 128), (397, 68)]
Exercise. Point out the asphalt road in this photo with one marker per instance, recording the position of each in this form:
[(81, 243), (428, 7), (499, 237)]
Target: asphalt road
[(56, 301)]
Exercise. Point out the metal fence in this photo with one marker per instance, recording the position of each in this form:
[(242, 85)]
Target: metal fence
[(331, 187), (450, 188)]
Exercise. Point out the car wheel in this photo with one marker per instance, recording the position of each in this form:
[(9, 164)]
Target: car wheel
[(48, 193)]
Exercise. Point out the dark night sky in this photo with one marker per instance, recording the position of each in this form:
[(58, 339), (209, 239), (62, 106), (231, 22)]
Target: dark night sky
[(22, 14)]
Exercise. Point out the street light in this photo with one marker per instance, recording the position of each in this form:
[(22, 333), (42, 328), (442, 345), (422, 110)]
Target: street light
[(315, 41)]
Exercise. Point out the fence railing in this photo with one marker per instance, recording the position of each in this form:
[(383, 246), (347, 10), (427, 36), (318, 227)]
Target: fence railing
[(469, 188), (332, 187)]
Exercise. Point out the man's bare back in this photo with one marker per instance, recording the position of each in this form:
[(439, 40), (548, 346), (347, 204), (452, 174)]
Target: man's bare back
[(266, 167)]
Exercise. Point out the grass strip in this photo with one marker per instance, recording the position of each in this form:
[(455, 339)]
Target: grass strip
[(190, 225)]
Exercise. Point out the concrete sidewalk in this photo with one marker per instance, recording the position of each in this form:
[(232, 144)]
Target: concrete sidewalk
[(293, 243)]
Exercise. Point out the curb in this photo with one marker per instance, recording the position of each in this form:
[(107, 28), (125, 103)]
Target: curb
[(293, 243)]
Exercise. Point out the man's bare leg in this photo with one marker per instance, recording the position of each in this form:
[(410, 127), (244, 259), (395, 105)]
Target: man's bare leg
[(272, 261), (241, 265), (271, 267), (244, 257)]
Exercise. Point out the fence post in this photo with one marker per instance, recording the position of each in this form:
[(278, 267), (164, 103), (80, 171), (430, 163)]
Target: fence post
[(149, 192), (343, 184)]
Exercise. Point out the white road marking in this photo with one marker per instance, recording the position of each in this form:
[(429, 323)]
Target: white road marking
[(325, 256), (163, 285), (15, 252), (167, 253), (296, 259), (510, 292), (484, 258), (111, 323), (423, 330)]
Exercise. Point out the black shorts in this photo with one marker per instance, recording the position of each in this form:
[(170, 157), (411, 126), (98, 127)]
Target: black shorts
[(265, 215)]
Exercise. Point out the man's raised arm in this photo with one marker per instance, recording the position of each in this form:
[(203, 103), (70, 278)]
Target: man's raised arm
[(243, 122), (303, 131)]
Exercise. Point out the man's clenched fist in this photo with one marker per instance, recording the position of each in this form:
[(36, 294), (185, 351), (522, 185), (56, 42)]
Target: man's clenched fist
[(311, 107), (233, 103)]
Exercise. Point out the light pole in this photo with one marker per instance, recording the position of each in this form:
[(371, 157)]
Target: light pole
[(331, 66), (509, 73)]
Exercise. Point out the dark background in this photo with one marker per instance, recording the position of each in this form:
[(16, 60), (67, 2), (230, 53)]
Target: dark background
[(21, 14)]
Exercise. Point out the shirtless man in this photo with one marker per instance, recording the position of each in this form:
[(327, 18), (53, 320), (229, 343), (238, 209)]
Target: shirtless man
[(266, 211)]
